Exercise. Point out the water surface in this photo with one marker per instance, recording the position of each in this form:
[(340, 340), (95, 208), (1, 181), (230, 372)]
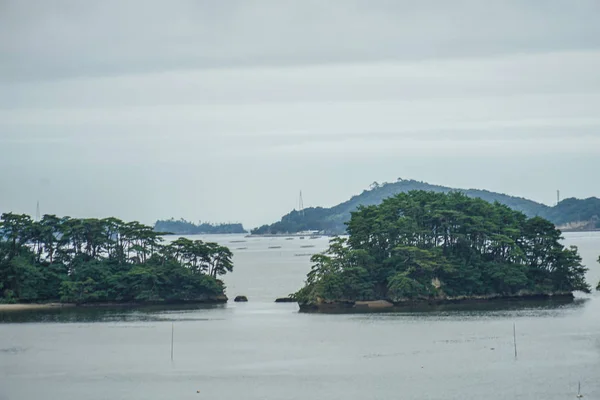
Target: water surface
[(262, 350)]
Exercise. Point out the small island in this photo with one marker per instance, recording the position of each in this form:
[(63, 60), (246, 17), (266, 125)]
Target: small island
[(183, 227), (432, 248), (105, 261)]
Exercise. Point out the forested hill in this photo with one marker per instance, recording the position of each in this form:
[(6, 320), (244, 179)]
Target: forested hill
[(331, 220), (183, 227)]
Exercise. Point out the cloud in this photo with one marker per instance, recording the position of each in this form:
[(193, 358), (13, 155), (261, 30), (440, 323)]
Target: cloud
[(65, 38), (224, 110)]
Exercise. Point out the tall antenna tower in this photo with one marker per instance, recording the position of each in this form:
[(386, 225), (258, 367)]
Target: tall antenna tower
[(301, 204), (37, 211), (557, 197)]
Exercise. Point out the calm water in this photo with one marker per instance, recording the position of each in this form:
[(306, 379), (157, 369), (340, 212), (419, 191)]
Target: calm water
[(263, 350)]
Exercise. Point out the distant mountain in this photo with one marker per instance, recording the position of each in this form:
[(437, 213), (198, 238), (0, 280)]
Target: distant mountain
[(331, 220), (183, 227)]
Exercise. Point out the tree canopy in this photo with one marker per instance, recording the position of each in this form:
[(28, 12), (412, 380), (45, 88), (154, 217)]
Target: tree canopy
[(104, 260), (422, 245)]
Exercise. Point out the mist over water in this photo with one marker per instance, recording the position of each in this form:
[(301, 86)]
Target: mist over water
[(262, 350)]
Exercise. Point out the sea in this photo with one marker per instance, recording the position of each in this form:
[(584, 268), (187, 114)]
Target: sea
[(262, 350)]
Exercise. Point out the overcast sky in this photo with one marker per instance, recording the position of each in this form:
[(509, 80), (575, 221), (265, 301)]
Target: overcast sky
[(225, 110)]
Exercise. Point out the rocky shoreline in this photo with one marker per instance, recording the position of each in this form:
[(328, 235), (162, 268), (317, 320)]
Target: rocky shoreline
[(344, 306)]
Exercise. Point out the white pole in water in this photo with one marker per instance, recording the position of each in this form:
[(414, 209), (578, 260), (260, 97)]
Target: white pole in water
[(172, 332), (515, 338)]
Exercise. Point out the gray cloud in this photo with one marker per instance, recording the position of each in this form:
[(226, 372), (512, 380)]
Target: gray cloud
[(65, 38), (225, 110)]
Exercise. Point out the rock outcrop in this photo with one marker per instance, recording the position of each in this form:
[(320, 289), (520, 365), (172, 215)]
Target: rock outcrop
[(335, 306), (285, 300)]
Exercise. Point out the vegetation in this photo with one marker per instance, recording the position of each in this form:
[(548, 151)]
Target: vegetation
[(104, 260), (332, 220), (575, 210), (183, 227), (423, 245)]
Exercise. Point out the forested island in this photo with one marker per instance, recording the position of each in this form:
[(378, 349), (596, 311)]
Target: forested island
[(183, 227), (107, 260), (571, 214), (423, 246)]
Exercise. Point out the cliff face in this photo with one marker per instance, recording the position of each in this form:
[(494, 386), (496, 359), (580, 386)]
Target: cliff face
[(581, 226)]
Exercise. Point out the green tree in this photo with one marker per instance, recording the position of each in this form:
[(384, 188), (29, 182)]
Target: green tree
[(97, 260), (425, 244), (401, 286)]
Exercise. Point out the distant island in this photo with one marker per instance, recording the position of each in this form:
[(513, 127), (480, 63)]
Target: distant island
[(183, 227), (569, 214), (427, 247), (92, 261)]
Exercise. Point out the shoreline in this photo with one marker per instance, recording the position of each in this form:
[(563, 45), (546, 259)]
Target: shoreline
[(350, 306), (274, 235), (203, 234), (53, 306), (578, 230), (34, 306)]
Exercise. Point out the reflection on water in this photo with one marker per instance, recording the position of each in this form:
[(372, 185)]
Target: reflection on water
[(190, 312), (491, 310), (107, 314)]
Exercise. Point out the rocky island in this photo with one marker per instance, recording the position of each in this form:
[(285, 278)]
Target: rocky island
[(423, 247)]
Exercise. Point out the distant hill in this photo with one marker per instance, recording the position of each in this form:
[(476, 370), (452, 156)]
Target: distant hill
[(573, 210), (183, 227), (331, 220)]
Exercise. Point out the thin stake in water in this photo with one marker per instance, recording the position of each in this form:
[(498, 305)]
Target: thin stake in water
[(515, 338), (172, 332)]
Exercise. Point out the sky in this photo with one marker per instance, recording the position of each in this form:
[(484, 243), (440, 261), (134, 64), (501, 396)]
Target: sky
[(223, 111)]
